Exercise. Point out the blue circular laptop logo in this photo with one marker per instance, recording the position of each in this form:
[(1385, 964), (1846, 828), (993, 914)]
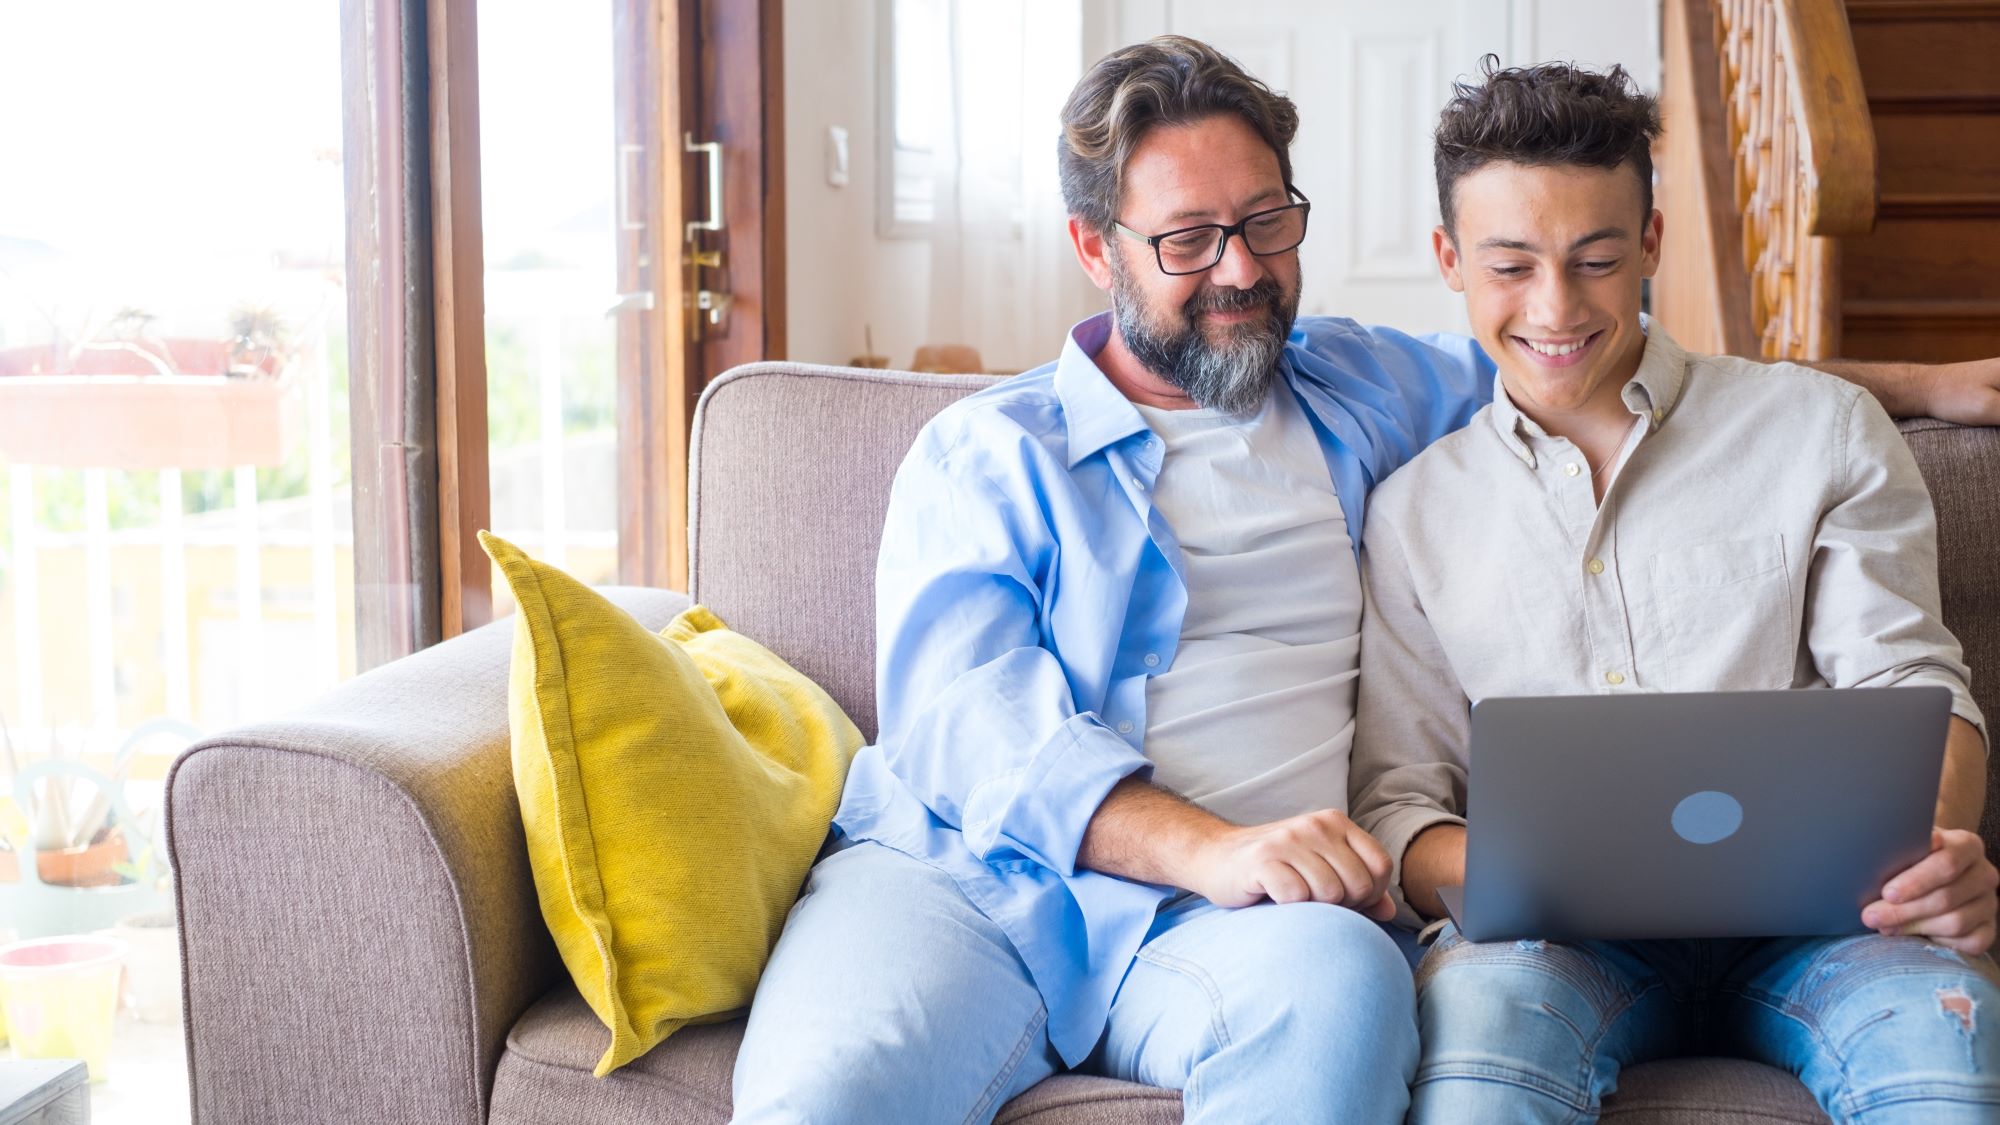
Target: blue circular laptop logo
[(1707, 817)]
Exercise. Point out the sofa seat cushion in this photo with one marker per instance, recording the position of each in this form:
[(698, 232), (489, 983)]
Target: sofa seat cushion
[(544, 1079), (1710, 1092)]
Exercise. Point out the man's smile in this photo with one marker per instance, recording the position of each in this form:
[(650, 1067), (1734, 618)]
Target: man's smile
[(1558, 352), (1235, 315)]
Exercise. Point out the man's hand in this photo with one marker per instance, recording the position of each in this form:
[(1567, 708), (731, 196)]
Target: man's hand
[(1967, 393), (1948, 896), (1317, 857)]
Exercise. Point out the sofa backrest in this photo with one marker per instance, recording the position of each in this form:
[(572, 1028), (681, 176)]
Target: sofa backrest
[(790, 480), (1962, 467)]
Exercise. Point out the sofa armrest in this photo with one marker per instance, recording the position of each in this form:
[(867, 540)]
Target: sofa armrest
[(359, 927)]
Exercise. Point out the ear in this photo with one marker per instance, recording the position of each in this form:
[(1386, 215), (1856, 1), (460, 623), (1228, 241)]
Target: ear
[(1649, 244), (1092, 252), (1447, 256)]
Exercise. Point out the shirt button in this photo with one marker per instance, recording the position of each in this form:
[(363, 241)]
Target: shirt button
[(1571, 470), (1125, 726), (1152, 660), (1594, 566), (1614, 678), (1150, 443), (1138, 484)]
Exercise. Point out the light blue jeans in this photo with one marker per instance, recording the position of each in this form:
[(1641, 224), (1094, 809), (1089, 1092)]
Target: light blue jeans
[(890, 998), (1880, 1029)]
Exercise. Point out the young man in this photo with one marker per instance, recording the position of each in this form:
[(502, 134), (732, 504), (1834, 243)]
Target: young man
[(1629, 517)]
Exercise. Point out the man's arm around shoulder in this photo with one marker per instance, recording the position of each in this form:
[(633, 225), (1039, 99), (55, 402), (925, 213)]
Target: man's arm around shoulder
[(1967, 393)]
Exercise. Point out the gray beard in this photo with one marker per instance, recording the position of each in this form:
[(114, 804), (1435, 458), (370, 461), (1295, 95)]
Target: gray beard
[(1233, 376)]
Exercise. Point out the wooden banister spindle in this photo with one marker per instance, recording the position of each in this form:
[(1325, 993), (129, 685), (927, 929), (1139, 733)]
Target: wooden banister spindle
[(1802, 148)]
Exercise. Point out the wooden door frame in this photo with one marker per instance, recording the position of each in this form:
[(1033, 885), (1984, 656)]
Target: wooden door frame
[(726, 84), (416, 268), (653, 410), (741, 102), (458, 318), (385, 157)]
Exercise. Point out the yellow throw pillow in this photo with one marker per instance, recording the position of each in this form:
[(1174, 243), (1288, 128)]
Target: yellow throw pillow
[(675, 787)]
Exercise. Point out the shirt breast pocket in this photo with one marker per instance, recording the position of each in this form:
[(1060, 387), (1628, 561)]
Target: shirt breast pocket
[(1725, 616)]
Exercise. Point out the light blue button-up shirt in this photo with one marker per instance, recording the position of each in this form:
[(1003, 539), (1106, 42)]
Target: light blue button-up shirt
[(1024, 579)]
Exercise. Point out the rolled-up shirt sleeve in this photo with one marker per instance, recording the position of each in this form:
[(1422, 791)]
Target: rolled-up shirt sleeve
[(1411, 720), (977, 716), (1873, 614)]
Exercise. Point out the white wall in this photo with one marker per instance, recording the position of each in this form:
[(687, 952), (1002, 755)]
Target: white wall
[(838, 274), (1592, 33)]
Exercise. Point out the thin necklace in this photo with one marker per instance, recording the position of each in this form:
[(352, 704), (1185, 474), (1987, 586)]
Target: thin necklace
[(1608, 460)]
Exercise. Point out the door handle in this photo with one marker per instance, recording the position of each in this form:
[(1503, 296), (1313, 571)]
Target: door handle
[(631, 302), (712, 150), (712, 306)]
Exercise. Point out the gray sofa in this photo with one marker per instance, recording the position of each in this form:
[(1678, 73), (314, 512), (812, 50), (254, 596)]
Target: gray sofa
[(361, 936)]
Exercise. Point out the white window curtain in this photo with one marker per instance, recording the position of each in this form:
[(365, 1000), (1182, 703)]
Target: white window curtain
[(1003, 276)]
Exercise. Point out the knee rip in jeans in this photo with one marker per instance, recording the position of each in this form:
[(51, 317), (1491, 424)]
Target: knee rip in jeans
[(1957, 1005), (1852, 961)]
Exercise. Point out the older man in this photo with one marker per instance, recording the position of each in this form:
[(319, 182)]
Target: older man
[(1119, 609), (1628, 517)]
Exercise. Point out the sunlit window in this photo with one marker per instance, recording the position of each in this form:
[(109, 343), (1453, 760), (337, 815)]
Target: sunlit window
[(175, 543)]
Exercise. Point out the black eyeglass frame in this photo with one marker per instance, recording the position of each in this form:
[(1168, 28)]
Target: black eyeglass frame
[(1234, 230)]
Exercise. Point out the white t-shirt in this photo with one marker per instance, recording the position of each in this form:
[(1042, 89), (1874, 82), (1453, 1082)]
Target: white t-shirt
[(1254, 719)]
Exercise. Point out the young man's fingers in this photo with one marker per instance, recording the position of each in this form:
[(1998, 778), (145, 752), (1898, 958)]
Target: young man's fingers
[(1973, 944), (1940, 868), (1891, 917), (1958, 922)]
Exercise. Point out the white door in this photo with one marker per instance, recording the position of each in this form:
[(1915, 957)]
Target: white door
[(1369, 79)]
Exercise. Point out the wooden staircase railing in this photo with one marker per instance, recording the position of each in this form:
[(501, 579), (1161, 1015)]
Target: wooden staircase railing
[(1766, 125)]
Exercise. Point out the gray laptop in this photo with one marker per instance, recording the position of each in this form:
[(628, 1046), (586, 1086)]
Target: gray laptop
[(1713, 814)]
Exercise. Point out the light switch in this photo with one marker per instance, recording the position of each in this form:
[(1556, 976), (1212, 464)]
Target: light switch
[(836, 156)]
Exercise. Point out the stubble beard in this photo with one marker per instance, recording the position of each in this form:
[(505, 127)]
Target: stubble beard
[(1232, 375)]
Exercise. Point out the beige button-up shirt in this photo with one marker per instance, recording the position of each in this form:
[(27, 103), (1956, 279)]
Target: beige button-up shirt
[(1768, 529)]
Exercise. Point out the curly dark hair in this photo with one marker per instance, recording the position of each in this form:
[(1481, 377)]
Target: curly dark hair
[(1167, 80), (1544, 115)]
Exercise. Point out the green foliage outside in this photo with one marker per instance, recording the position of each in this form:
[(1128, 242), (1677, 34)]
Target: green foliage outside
[(513, 380)]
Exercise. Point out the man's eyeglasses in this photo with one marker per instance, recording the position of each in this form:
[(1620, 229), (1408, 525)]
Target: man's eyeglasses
[(1194, 249)]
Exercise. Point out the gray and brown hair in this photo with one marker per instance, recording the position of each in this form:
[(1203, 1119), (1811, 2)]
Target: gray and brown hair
[(1167, 80), (1541, 116)]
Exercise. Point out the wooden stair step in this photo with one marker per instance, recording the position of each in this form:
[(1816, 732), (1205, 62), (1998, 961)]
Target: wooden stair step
[(1878, 11), (1924, 331), (1943, 311), (1938, 153), (1915, 258), (1939, 205), (1937, 49)]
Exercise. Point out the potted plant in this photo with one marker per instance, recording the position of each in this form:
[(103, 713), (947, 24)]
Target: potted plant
[(128, 398)]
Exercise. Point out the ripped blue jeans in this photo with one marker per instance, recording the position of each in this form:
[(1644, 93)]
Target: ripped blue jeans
[(1880, 1029)]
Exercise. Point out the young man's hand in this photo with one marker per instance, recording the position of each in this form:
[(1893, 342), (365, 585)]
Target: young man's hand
[(1316, 857), (1948, 896)]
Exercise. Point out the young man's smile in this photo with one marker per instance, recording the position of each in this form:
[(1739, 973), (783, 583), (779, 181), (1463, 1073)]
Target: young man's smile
[(1559, 352)]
